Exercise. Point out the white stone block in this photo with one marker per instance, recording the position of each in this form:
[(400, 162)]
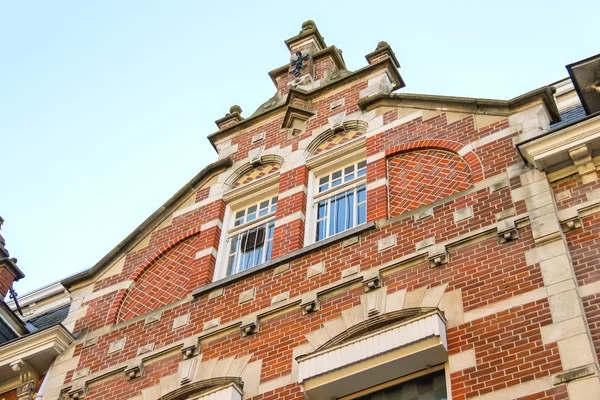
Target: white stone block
[(425, 243), (350, 271), (247, 296), (565, 305), (280, 297), (116, 346), (180, 321), (556, 270), (463, 360), (315, 270), (386, 243), (575, 351), (562, 330), (463, 213)]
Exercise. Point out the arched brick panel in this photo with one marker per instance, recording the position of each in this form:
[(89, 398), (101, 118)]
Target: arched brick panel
[(124, 305), (331, 138), (165, 281), (420, 177), (469, 157), (256, 173)]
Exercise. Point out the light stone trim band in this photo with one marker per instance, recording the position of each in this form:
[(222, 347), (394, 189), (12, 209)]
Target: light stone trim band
[(197, 205), (290, 218), (212, 224), (206, 252), (292, 191)]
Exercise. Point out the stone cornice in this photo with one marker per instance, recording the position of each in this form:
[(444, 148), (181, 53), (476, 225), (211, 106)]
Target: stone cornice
[(551, 151), (466, 104), (150, 223)]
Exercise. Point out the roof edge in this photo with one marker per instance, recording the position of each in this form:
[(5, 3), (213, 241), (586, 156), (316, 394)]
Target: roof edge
[(149, 224), (467, 104)]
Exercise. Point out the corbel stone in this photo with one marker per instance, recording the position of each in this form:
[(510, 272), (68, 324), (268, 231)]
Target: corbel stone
[(571, 224), (134, 371), (249, 325), (255, 155), (336, 122), (28, 377), (78, 391), (190, 348), (585, 165), (438, 256), (309, 304), (25, 390), (372, 280), (507, 231)]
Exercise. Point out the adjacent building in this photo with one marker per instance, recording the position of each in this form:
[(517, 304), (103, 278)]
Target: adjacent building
[(354, 241)]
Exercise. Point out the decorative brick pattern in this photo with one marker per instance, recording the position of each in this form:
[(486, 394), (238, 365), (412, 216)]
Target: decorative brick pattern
[(256, 173), (420, 177), (166, 281), (337, 140)]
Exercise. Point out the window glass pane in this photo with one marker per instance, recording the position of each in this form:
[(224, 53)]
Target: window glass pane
[(361, 214), (264, 204), (268, 251), (332, 216), (263, 211), (230, 264), (361, 191), (323, 180), (362, 168), (250, 248), (340, 225), (321, 230), (321, 210), (350, 207), (270, 230)]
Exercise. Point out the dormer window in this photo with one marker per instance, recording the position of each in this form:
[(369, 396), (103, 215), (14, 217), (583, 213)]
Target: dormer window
[(250, 239)]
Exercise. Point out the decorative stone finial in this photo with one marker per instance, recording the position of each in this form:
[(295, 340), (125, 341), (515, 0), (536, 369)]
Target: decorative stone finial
[(308, 25), (381, 45), (235, 109)]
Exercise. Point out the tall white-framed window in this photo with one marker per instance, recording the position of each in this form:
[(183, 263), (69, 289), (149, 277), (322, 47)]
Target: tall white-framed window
[(340, 200), (249, 238)]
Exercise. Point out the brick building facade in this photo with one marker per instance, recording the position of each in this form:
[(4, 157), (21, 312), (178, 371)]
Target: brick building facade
[(356, 242)]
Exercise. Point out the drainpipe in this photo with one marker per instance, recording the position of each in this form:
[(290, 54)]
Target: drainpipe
[(40, 392)]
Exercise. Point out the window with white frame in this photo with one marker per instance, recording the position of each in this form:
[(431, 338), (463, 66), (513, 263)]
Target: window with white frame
[(340, 201), (250, 237)]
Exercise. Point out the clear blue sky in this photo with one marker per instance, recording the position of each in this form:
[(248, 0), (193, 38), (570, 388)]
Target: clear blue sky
[(105, 106)]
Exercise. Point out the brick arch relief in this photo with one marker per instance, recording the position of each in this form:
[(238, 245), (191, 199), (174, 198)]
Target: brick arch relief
[(421, 176), (166, 278), (258, 168), (342, 133)]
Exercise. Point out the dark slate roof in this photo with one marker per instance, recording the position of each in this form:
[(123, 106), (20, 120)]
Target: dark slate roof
[(569, 115), (49, 319)]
